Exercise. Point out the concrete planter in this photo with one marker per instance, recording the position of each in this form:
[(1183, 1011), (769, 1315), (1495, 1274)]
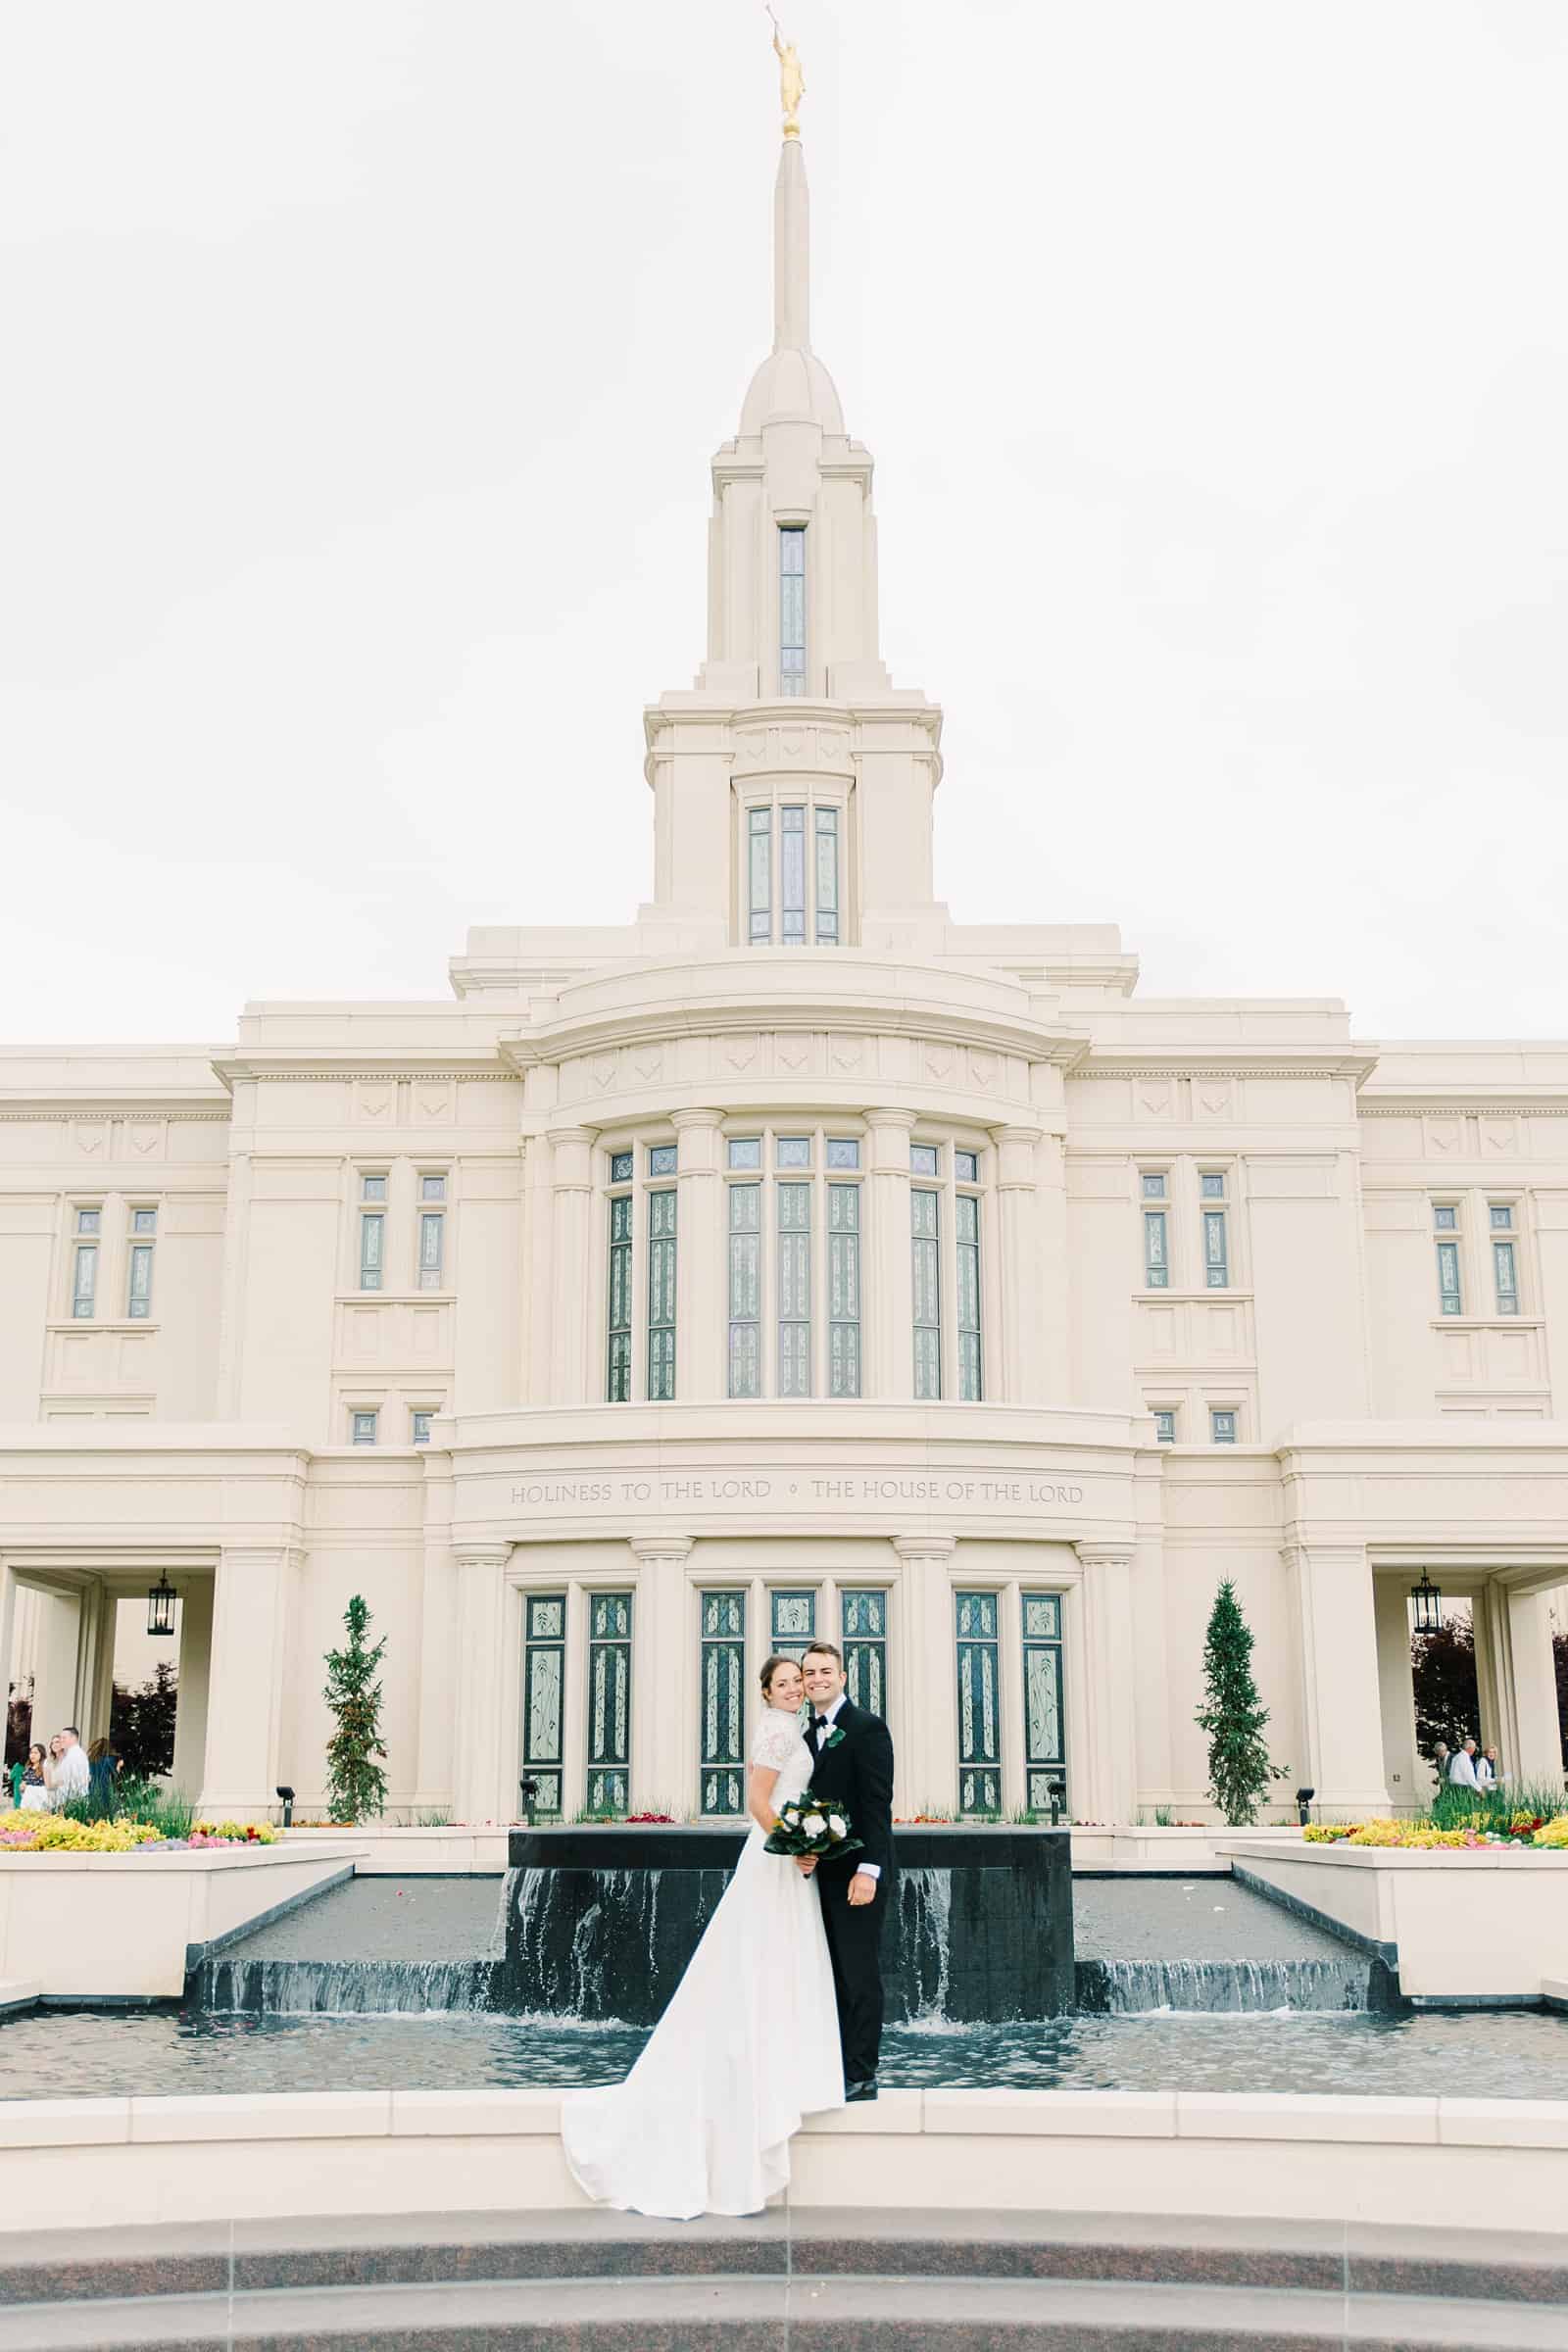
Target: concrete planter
[(124, 1926), (1461, 1928)]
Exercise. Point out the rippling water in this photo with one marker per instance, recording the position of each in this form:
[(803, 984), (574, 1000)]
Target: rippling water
[(85, 2054)]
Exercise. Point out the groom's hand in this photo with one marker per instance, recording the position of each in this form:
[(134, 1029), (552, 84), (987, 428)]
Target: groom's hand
[(806, 1864), (862, 1888)]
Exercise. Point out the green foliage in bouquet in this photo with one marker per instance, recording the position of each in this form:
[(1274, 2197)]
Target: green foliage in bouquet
[(808, 1823)]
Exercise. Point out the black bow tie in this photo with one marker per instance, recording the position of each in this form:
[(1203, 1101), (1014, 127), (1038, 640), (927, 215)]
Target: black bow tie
[(820, 1723)]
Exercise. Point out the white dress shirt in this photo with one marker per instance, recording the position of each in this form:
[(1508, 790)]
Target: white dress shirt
[(872, 1869), (1461, 1770), (72, 1774)]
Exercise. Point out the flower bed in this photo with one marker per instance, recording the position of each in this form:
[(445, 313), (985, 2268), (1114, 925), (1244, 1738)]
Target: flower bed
[(58, 1834), (1522, 1832)]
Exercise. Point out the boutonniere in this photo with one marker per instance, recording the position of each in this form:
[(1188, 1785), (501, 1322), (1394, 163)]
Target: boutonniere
[(833, 1738)]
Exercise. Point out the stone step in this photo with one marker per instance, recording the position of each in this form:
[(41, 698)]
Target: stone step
[(257, 2258), (798, 2314)]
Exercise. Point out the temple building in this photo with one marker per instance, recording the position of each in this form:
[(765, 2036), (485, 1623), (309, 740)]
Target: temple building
[(790, 1260)]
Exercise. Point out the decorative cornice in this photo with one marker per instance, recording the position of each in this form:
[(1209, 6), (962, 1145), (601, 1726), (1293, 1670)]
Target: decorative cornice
[(403, 1062), (50, 1109), (568, 1040), (1232, 1062), (1431, 1106)]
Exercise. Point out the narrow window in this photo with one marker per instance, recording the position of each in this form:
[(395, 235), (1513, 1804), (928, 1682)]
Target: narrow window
[(1153, 1184), (608, 1703), (432, 1237), (827, 877), (1045, 1755), (419, 1421), (843, 1289), (925, 1159), (1156, 1250), (1501, 1216), (793, 1290), (432, 1188), (663, 1159), (1502, 1266), (544, 1681), (792, 609), (979, 1704), (967, 1167), (1217, 1258), (745, 1289), (85, 1276), (621, 1168), (139, 1287), (1450, 1297), (966, 1218), (661, 1296), (792, 876), (372, 1223), (361, 1428), (1164, 1425), (793, 1152), (746, 1152), (617, 1374), (1222, 1425), (760, 876), (374, 1187), (723, 1678), (1213, 1188), (793, 1629), (864, 1627), (925, 1245)]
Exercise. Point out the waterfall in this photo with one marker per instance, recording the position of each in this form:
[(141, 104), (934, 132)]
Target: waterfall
[(1128, 1986), (343, 1987), (922, 1939)]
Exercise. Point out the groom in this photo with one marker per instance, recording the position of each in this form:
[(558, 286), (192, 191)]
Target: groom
[(853, 1767)]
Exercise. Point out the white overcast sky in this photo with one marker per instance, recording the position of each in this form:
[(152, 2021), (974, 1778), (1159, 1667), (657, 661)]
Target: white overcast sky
[(360, 366)]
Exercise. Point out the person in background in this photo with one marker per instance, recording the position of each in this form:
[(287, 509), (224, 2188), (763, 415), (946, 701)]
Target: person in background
[(1463, 1767), (1439, 1760), (1486, 1774), (14, 1772), (73, 1777), (102, 1766), (34, 1797)]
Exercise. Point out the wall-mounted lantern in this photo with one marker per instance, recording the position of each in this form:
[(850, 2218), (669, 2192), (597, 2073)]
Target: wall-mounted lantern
[(161, 1605), (1428, 1605)]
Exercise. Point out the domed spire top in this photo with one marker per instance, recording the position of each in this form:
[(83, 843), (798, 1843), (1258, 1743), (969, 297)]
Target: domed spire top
[(792, 384)]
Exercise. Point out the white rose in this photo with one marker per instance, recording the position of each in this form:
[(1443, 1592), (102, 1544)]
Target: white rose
[(814, 1825), (837, 1824)]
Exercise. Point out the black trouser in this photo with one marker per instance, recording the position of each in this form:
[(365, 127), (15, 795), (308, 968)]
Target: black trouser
[(854, 1943)]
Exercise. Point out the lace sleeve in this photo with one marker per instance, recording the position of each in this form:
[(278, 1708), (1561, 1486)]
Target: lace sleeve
[(776, 1739)]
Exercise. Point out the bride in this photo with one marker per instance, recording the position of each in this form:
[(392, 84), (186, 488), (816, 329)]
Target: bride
[(750, 2042)]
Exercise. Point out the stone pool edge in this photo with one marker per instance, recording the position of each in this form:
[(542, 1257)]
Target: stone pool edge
[(1191, 2153)]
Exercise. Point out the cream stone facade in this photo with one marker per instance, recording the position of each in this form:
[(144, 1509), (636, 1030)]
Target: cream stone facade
[(789, 1258)]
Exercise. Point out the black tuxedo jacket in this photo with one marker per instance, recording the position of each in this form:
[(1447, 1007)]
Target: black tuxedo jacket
[(857, 1772)]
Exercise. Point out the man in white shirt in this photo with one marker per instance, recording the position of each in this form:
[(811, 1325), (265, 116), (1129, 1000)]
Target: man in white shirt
[(72, 1774), (1462, 1766)]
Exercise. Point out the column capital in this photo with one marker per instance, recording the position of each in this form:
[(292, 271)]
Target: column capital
[(661, 1548), (926, 1548), (482, 1556), (1104, 1555), (891, 1119), (570, 1135), (572, 1158), (680, 1120)]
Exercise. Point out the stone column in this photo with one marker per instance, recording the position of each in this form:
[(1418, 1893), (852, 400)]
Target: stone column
[(572, 1287), (1021, 1356), (484, 1778), (923, 1703), (58, 1648), (193, 1684), (701, 1336), (1531, 1743), (888, 1304), (1409, 1779), (1336, 1653), (665, 1677), (102, 1610), (435, 1754), (1103, 1727), (249, 1626)]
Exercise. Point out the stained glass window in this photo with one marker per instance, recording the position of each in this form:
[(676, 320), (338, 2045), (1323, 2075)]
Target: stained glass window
[(1045, 1753), (1216, 1257), (88, 1220), (608, 1702), (419, 1427), (373, 1230), (843, 1289), (1508, 1280), (1446, 1218), (621, 1168), (544, 1681), (663, 1159), (617, 1378), (759, 875), (745, 1151), (793, 1290), (843, 1151), (432, 1237), (432, 1188), (864, 1623), (967, 1167), (1222, 1425), (827, 877), (792, 609), (1450, 1299), (792, 876), (661, 1296), (374, 1187), (794, 1623), (979, 1704), (1153, 1184), (144, 1220), (925, 1159), (1211, 1187), (966, 1215), (1156, 1250), (745, 1289), (85, 1281), (1166, 1425), (723, 1773), (793, 1152), (925, 1245), (139, 1289), (1500, 1215), (361, 1428)]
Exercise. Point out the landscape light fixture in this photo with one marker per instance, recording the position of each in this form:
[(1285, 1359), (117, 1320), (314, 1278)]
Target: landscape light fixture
[(528, 1789), (1428, 1605), (1303, 1805), (161, 1605), (286, 1799)]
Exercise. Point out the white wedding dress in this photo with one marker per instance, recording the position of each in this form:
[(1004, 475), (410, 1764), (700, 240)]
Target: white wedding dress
[(749, 2045)]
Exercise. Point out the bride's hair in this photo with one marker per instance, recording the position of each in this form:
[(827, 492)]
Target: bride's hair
[(771, 1667)]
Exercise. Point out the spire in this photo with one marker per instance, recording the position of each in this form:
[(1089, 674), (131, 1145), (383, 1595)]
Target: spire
[(792, 251)]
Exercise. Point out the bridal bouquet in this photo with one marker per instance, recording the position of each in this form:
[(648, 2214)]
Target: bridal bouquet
[(808, 1825)]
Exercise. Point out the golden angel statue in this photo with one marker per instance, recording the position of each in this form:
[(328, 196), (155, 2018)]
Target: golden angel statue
[(790, 81)]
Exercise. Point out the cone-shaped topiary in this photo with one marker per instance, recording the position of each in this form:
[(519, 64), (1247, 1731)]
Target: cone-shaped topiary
[(356, 1784), (1239, 1768)]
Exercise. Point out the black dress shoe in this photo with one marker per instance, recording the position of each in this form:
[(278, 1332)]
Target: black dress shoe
[(854, 2092)]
